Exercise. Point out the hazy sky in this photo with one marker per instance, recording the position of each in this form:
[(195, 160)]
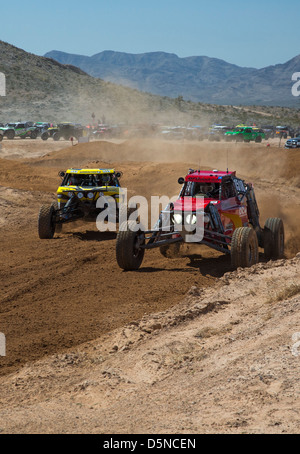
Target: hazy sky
[(257, 33)]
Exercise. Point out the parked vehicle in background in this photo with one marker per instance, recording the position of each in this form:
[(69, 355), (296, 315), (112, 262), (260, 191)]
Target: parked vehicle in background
[(195, 132), (19, 129), (282, 132), (41, 127), (269, 131), (172, 132), (245, 134), (292, 143), (217, 132), (49, 132), (101, 132), (64, 131)]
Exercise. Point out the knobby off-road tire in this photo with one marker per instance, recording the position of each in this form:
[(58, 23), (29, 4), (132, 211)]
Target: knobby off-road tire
[(58, 226), (45, 136), (273, 239), (128, 252), (1, 137), (10, 134), (46, 224), (244, 248)]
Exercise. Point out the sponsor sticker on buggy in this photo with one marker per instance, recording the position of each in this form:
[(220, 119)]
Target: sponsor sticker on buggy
[(242, 211)]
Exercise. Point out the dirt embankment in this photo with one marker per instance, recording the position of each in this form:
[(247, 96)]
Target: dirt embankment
[(224, 360), (111, 345)]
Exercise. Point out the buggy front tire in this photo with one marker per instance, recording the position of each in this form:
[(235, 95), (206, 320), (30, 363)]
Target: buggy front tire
[(244, 247), (58, 226), (128, 246), (274, 239), (46, 222)]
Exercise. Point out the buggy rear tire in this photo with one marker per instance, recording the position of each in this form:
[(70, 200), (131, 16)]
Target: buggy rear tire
[(273, 239), (1, 137), (128, 251), (244, 247), (46, 223)]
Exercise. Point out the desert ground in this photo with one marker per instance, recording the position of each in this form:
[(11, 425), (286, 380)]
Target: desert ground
[(177, 347)]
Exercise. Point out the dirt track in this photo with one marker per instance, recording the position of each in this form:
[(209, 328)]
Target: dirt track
[(57, 294)]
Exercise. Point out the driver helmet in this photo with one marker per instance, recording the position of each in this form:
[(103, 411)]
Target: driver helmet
[(205, 188), (98, 180), (73, 180)]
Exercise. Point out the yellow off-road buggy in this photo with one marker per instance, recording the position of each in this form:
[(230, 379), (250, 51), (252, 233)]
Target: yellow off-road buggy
[(77, 198)]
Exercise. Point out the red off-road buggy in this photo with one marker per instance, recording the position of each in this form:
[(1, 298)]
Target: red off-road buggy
[(229, 218)]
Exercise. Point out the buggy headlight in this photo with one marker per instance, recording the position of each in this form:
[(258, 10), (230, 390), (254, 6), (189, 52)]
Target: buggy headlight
[(191, 219), (80, 195), (90, 195), (177, 218), (70, 194), (204, 216)]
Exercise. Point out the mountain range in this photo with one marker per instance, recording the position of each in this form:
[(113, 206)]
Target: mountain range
[(42, 89), (197, 79)]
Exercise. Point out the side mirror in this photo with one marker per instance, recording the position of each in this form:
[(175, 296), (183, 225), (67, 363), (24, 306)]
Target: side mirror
[(181, 180), (61, 174)]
